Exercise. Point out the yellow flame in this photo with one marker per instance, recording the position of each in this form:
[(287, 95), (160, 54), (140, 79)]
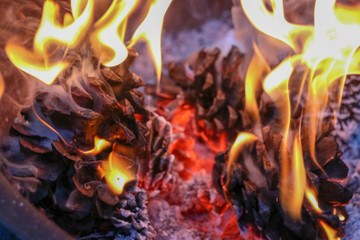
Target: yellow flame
[(257, 69), (293, 181), (337, 213), (273, 23), (108, 36), (52, 33), (330, 232), (150, 31), (311, 197), (99, 146), (115, 172), (329, 50), (55, 37), (241, 141)]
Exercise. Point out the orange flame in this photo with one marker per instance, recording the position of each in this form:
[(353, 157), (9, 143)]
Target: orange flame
[(330, 232), (241, 141), (2, 85), (99, 146), (342, 218), (273, 23), (108, 37), (150, 31), (55, 37), (257, 69), (115, 172), (293, 181), (329, 51), (51, 32), (311, 196)]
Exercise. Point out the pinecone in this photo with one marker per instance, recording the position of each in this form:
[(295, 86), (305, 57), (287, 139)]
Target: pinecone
[(254, 192), (47, 161), (214, 96), (160, 164)]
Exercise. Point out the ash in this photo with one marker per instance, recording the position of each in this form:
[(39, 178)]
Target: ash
[(182, 215)]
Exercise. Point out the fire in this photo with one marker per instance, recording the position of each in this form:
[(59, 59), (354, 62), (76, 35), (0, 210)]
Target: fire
[(294, 182), (273, 23), (330, 232), (258, 68), (60, 33), (108, 37), (56, 36), (51, 39), (99, 146), (342, 218), (115, 172), (150, 31), (2, 85), (311, 196), (329, 51), (241, 141)]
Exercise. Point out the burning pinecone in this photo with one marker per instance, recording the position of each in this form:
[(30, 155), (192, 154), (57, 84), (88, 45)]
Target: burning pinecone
[(218, 102), (253, 189), (49, 161)]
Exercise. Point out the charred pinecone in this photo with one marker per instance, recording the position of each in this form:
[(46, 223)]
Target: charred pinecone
[(130, 217), (47, 162), (253, 188), (215, 96), (160, 161)]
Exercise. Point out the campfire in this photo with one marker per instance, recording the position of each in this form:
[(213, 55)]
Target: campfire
[(251, 138)]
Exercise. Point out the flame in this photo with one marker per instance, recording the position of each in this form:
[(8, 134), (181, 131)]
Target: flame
[(257, 69), (330, 232), (56, 36), (150, 31), (108, 37), (292, 186), (311, 196), (329, 51), (273, 23), (99, 146), (2, 85), (115, 172), (342, 218), (52, 32), (241, 141)]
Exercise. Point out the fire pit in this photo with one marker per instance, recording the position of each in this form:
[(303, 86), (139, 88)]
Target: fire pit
[(249, 132)]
